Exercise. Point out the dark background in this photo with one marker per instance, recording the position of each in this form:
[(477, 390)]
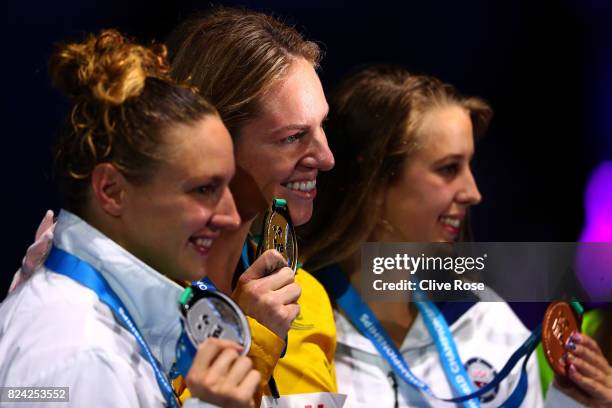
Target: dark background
[(545, 66)]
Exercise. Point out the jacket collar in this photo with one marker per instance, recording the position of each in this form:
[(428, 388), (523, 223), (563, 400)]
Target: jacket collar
[(150, 297)]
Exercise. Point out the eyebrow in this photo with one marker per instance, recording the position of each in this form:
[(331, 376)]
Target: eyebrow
[(298, 126), (198, 180), (294, 126), (455, 156)]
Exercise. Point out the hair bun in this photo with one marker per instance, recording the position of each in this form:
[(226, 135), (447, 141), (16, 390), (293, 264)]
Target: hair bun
[(106, 67)]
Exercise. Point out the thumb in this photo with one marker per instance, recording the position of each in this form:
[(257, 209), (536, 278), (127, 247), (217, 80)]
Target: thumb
[(268, 262)]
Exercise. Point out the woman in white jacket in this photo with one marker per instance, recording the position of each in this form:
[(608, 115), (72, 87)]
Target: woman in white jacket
[(403, 145), (144, 165)]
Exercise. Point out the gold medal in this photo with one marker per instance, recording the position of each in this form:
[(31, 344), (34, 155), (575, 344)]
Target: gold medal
[(278, 233)]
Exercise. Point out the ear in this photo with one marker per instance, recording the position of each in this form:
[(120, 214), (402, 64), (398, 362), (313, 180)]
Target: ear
[(109, 188)]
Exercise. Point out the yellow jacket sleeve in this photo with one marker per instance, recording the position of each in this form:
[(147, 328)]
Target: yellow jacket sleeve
[(308, 364), (266, 348)]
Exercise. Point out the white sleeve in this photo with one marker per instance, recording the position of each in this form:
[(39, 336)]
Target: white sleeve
[(94, 379)]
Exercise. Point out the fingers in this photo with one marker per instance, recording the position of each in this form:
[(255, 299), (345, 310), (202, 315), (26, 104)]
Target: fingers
[(586, 348), (280, 278), (592, 387), (584, 367), (269, 299), (586, 341), (37, 252), (250, 384), (209, 349), (268, 262), (219, 375), (292, 311), (288, 294), (239, 370), (220, 366), (589, 369), (46, 224)]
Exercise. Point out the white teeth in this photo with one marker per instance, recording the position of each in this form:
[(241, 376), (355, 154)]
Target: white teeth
[(205, 242), (301, 185), (453, 222)]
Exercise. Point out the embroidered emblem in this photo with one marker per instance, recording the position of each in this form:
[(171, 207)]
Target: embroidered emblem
[(482, 373)]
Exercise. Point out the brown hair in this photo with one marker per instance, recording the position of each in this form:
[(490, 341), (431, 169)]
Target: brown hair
[(374, 116), (234, 56), (123, 100)]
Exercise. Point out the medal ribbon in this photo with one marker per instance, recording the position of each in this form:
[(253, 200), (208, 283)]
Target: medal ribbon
[(349, 300), (80, 271)]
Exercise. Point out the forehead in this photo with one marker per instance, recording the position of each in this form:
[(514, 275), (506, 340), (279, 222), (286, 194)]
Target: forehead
[(445, 130), (203, 148), (296, 99)]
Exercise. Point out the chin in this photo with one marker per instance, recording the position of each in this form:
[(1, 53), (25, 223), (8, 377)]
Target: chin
[(300, 213)]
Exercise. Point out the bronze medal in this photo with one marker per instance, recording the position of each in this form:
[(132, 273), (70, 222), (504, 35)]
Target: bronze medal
[(560, 321)]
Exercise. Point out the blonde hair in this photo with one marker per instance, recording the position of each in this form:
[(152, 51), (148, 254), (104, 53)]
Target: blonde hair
[(234, 56), (123, 100), (374, 117)]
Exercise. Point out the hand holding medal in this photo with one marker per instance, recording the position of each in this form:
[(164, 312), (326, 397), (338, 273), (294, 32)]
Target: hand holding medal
[(267, 290), (581, 370)]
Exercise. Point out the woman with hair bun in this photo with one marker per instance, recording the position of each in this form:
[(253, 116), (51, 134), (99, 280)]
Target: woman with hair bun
[(144, 165)]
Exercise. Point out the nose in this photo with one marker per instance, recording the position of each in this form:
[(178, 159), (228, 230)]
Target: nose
[(226, 215), (320, 157), (469, 194)]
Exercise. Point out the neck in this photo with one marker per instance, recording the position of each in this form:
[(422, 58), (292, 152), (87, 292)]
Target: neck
[(224, 256), (395, 317)]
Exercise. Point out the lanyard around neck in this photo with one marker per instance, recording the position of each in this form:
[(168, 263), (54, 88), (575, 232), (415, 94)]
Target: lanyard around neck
[(348, 299), (66, 264)]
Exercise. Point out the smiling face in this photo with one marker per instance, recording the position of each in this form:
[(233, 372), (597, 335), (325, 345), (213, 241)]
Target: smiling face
[(170, 221), (428, 200), (284, 147)]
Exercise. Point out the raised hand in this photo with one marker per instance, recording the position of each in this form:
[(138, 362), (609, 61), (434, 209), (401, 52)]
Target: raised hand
[(267, 292), (220, 376), (589, 370)]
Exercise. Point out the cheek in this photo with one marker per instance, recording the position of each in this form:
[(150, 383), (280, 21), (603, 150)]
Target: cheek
[(268, 172)]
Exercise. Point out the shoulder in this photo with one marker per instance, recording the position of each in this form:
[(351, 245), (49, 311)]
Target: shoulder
[(91, 375), (51, 320)]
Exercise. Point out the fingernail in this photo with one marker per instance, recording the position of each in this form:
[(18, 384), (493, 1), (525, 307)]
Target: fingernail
[(569, 357), (570, 345), (576, 337), (572, 368), (563, 360)]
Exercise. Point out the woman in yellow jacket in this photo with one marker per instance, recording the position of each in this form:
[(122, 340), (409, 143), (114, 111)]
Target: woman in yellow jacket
[(261, 76)]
